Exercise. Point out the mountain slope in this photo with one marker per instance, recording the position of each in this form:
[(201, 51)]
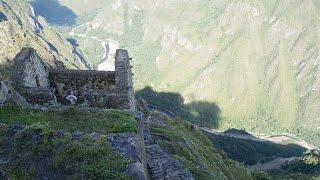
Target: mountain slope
[(20, 27), (258, 61)]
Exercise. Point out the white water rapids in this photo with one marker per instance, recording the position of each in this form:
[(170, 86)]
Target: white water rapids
[(110, 46)]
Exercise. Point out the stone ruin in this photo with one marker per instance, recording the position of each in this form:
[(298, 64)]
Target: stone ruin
[(103, 89)]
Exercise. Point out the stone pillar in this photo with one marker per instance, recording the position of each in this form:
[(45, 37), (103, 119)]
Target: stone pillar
[(124, 82)]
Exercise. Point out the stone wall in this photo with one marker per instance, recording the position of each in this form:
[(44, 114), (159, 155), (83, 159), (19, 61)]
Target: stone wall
[(108, 100), (30, 78), (93, 86), (104, 89), (29, 70), (124, 82)]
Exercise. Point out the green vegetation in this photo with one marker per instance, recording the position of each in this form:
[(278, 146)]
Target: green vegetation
[(238, 149), (73, 119), (204, 51), (297, 170), (59, 157), (312, 157), (260, 175), (189, 145), (5, 72)]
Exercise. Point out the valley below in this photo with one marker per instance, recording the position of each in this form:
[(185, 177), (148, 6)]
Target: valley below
[(109, 49), (226, 89), (256, 61)]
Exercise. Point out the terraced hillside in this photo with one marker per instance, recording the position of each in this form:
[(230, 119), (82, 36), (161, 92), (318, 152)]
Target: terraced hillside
[(257, 60)]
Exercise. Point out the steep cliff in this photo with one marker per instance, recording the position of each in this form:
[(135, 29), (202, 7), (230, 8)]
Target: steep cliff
[(21, 27)]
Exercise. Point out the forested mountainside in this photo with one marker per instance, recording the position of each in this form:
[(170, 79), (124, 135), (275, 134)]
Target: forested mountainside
[(258, 61), (218, 64), (21, 27)]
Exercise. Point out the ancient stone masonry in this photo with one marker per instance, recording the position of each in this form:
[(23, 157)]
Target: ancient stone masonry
[(123, 74), (103, 89), (91, 87), (30, 77), (161, 166)]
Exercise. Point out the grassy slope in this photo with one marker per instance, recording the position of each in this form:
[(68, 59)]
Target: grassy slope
[(189, 145), (90, 158), (59, 157), (63, 157), (73, 119)]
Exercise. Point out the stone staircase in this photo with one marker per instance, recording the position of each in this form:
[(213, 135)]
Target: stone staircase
[(160, 165)]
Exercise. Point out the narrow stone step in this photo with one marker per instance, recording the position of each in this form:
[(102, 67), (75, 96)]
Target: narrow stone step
[(161, 166)]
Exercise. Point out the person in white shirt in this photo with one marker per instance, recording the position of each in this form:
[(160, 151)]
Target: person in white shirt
[(72, 98)]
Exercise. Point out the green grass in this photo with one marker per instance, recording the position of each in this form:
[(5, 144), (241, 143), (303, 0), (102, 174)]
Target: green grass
[(62, 157), (73, 119), (5, 73), (189, 145)]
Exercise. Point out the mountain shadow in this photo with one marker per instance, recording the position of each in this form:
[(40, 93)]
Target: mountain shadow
[(3, 17), (73, 42), (238, 149), (54, 12), (202, 113)]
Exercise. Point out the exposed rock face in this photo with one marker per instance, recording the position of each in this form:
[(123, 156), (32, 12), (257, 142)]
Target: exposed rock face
[(128, 145), (21, 27), (17, 99), (125, 144), (10, 95)]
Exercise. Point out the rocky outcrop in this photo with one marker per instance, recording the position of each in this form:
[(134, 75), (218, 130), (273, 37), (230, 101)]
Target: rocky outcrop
[(128, 145), (125, 144), (8, 95)]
